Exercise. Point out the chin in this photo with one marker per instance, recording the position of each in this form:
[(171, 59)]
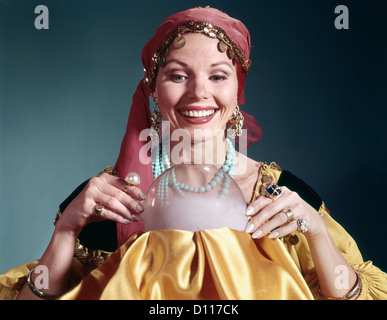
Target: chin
[(200, 134)]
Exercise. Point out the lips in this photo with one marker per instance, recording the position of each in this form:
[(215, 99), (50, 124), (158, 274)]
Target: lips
[(197, 114)]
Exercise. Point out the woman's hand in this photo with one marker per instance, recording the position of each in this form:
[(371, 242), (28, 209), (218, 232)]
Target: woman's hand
[(120, 203), (269, 216)]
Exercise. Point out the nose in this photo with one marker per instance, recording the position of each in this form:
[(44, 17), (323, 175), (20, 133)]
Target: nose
[(197, 89)]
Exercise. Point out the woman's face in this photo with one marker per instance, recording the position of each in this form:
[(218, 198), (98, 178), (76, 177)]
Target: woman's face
[(197, 87)]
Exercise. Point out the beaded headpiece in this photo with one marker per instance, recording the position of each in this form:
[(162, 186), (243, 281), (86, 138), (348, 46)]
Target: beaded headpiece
[(176, 39)]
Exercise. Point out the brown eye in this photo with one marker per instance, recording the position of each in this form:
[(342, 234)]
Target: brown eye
[(218, 78)]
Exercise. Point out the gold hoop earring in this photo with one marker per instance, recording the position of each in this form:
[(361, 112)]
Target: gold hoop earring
[(236, 123), (156, 122)]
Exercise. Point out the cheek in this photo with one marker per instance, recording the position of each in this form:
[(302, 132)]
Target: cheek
[(229, 90), (227, 97), (166, 98), (228, 114)]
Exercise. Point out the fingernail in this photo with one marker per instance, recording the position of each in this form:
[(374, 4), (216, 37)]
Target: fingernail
[(273, 235), (249, 211), (140, 208), (249, 227), (127, 221), (257, 233), (136, 217), (141, 195)]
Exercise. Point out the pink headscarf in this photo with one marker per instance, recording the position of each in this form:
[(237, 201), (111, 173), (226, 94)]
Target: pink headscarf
[(139, 117)]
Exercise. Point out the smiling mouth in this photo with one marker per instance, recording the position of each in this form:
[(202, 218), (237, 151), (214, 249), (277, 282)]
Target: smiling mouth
[(197, 113)]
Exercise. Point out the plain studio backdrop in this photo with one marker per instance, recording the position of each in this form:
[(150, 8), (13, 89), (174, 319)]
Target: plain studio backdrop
[(318, 93)]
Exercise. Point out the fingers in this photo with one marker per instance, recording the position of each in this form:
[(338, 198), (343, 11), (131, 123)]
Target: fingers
[(107, 213), (287, 200), (118, 205), (121, 185), (269, 217), (118, 196), (114, 209), (258, 205), (282, 231)]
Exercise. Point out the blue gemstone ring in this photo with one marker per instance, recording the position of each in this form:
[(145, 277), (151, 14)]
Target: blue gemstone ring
[(272, 191)]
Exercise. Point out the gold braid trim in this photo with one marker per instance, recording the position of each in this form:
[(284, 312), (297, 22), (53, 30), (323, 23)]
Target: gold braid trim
[(225, 45), (83, 254), (110, 170), (86, 256), (269, 173)]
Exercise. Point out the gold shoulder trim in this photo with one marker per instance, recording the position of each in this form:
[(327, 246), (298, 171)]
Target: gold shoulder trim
[(86, 256), (83, 254), (268, 173), (110, 170)]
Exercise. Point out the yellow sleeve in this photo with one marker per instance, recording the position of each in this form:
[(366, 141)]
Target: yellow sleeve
[(12, 281)]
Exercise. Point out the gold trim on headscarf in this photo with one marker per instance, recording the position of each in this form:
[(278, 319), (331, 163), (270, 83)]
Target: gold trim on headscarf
[(225, 44)]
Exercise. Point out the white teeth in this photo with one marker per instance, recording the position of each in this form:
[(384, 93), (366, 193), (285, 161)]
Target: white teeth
[(198, 114)]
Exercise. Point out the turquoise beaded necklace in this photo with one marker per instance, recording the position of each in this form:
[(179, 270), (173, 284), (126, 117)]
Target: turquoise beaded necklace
[(159, 167), (164, 183)]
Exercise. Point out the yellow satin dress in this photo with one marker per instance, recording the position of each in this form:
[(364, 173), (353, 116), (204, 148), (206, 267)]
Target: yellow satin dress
[(209, 264)]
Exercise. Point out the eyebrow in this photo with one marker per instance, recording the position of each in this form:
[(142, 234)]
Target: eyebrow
[(176, 61), (185, 65), (221, 63)]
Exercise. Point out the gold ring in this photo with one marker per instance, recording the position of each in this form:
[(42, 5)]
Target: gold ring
[(98, 209), (289, 213)]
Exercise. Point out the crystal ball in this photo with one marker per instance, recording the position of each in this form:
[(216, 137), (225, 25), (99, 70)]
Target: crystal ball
[(194, 197)]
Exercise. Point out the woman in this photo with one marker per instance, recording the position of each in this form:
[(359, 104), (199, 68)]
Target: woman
[(195, 69)]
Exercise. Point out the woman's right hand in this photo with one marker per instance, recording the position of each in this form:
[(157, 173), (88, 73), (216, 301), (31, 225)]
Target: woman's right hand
[(120, 204)]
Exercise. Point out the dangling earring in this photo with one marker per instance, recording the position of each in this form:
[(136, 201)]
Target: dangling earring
[(156, 121), (236, 123)]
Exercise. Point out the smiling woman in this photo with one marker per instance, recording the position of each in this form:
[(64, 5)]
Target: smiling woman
[(197, 89), (286, 244)]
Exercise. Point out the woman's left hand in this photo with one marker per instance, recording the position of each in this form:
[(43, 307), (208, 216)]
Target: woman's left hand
[(269, 216)]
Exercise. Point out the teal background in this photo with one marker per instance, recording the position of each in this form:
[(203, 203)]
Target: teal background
[(318, 93)]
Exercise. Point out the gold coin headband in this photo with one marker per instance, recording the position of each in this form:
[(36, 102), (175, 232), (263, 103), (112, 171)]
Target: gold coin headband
[(176, 38)]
